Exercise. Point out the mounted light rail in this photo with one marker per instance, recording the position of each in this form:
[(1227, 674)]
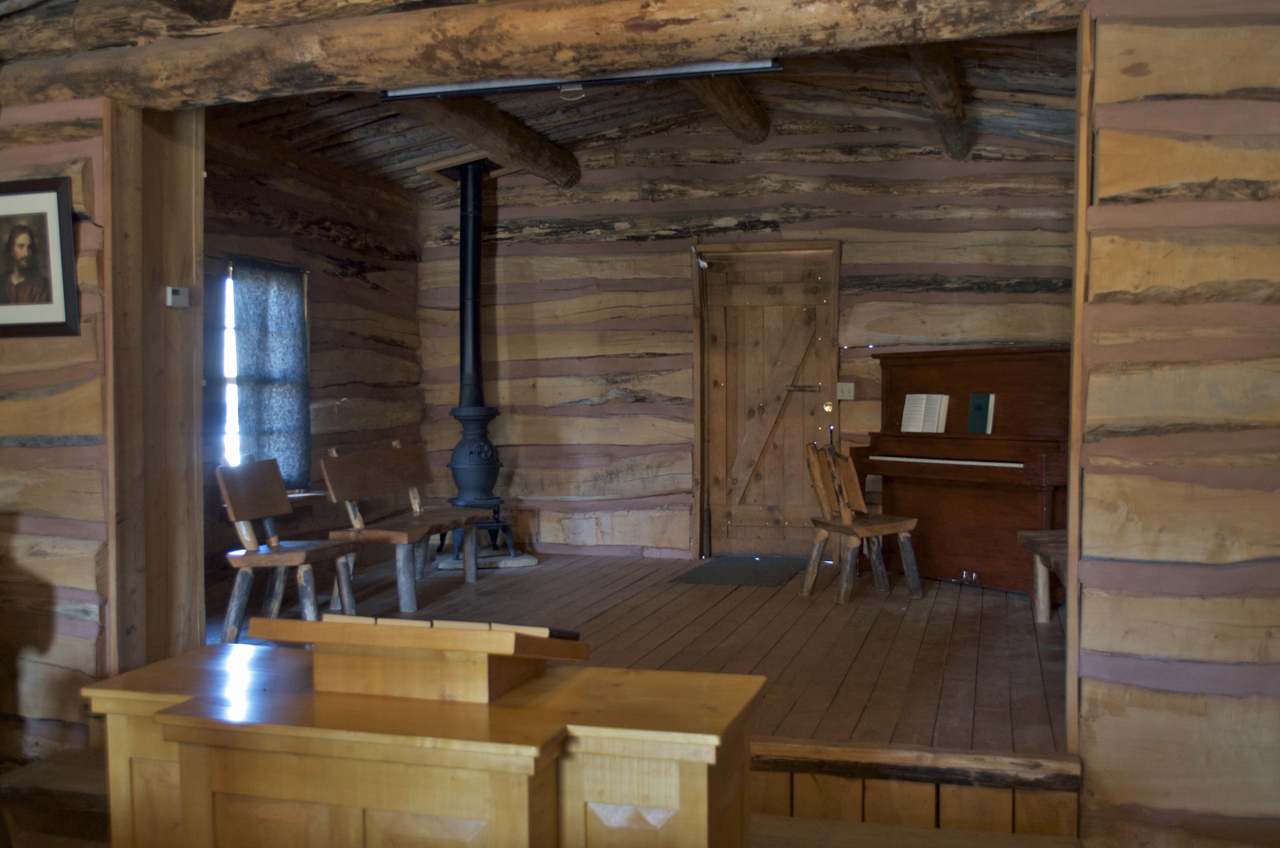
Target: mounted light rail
[(699, 69)]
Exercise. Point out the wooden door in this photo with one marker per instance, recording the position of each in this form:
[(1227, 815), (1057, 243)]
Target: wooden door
[(770, 364)]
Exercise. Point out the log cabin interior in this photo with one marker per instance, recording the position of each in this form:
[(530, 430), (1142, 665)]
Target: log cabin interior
[(684, 281)]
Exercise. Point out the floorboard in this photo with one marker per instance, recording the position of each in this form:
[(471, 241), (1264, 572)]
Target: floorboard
[(961, 668)]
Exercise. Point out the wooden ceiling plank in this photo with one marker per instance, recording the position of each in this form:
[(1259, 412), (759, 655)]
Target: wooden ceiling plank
[(472, 155), (728, 99), (567, 39), (936, 65), (486, 127)]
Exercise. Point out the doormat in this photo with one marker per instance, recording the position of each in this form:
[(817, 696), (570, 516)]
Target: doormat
[(739, 570)]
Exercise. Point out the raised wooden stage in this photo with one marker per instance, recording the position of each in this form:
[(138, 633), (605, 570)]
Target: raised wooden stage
[(869, 699)]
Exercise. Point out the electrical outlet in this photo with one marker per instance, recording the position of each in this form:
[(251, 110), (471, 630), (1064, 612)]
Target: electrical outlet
[(844, 391), (177, 297)]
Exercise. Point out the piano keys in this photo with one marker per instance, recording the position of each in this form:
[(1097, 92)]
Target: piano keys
[(972, 493)]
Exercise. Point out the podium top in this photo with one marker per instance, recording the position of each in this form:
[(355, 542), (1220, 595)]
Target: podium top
[(385, 635)]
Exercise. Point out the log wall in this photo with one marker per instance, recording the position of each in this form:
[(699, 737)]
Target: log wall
[(54, 459), (1179, 564), (354, 235), (589, 317)]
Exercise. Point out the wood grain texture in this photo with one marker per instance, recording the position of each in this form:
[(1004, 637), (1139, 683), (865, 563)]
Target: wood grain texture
[(1235, 629), (1002, 247), (574, 392), (79, 171), (1045, 813), (1185, 266), (54, 493), (518, 429), (1143, 518), (900, 802), (347, 63), (1141, 60), (663, 528), (1157, 750), (975, 808), (888, 322), (827, 796), (51, 560), (47, 354), (1151, 396), (665, 472), (1138, 167), (73, 410)]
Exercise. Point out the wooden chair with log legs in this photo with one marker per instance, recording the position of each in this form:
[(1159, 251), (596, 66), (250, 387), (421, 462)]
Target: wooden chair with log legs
[(845, 513), (255, 490), (378, 472)]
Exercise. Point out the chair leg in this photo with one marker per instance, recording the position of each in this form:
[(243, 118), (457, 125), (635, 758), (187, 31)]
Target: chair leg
[(344, 565), (909, 565), (852, 545), (406, 587), (235, 608), (469, 554), (815, 559), (1042, 609), (307, 593), (275, 593), (877, 567), (420, 557)]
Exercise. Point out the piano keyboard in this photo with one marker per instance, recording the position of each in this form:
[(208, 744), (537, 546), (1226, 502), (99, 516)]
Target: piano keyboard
[(992, 464)]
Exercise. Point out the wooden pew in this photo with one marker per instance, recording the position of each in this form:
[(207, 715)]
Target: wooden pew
[(367, 473)]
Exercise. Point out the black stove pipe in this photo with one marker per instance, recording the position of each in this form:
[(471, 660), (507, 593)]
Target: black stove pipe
[(474, 461)]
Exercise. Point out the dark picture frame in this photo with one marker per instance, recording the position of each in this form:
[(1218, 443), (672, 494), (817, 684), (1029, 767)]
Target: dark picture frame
[(38, 292)]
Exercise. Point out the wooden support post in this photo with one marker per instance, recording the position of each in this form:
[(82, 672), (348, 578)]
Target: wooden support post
[(406, 586), (479, 123), (235, 608), (307, 593), (343, 566), (815, 561), (469, 564), (275, 592), (512, 39), (728, 99), (937, 69)]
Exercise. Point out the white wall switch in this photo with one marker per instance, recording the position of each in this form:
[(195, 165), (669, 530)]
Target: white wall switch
[(177, 297), (844, 391)]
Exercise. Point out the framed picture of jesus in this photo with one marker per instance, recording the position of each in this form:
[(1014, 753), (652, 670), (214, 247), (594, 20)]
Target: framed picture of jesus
[(38, 294)]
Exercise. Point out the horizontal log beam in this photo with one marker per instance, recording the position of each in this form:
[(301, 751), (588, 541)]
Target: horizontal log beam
[(936, 66), (527, 38), (482, 125), (728, 99)]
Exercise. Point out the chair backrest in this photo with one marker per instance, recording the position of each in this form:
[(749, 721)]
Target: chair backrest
[(253, 490), (836, 483), (374, 472)]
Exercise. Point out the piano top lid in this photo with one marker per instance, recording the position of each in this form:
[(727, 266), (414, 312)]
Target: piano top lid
[(950, 352)]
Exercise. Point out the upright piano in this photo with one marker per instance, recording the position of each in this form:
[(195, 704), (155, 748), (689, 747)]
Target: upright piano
[(973, 492)]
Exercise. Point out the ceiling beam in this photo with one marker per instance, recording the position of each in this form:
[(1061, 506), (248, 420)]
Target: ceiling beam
[(482, 41), (203, 11), (728, 99), (484, 126), (936, 65)]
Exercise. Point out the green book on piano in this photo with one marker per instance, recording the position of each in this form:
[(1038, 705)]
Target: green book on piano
[(982, 410)]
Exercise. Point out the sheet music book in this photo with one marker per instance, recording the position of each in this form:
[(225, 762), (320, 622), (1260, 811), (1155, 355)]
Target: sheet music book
[(982, 411), (925, 413)]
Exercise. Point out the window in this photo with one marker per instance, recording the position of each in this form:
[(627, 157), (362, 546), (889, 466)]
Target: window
[(266, 368)]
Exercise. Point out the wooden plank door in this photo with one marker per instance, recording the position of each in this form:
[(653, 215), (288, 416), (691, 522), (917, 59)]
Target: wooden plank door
[(770, 364)]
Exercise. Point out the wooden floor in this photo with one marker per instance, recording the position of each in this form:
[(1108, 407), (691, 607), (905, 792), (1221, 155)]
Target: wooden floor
[(961, 668)]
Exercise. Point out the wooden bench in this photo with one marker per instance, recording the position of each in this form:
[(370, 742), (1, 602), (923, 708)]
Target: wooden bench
[(254, 491), (1049, 551), (374, 472)]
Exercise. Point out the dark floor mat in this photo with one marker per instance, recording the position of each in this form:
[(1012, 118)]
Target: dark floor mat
[(744, 570)]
